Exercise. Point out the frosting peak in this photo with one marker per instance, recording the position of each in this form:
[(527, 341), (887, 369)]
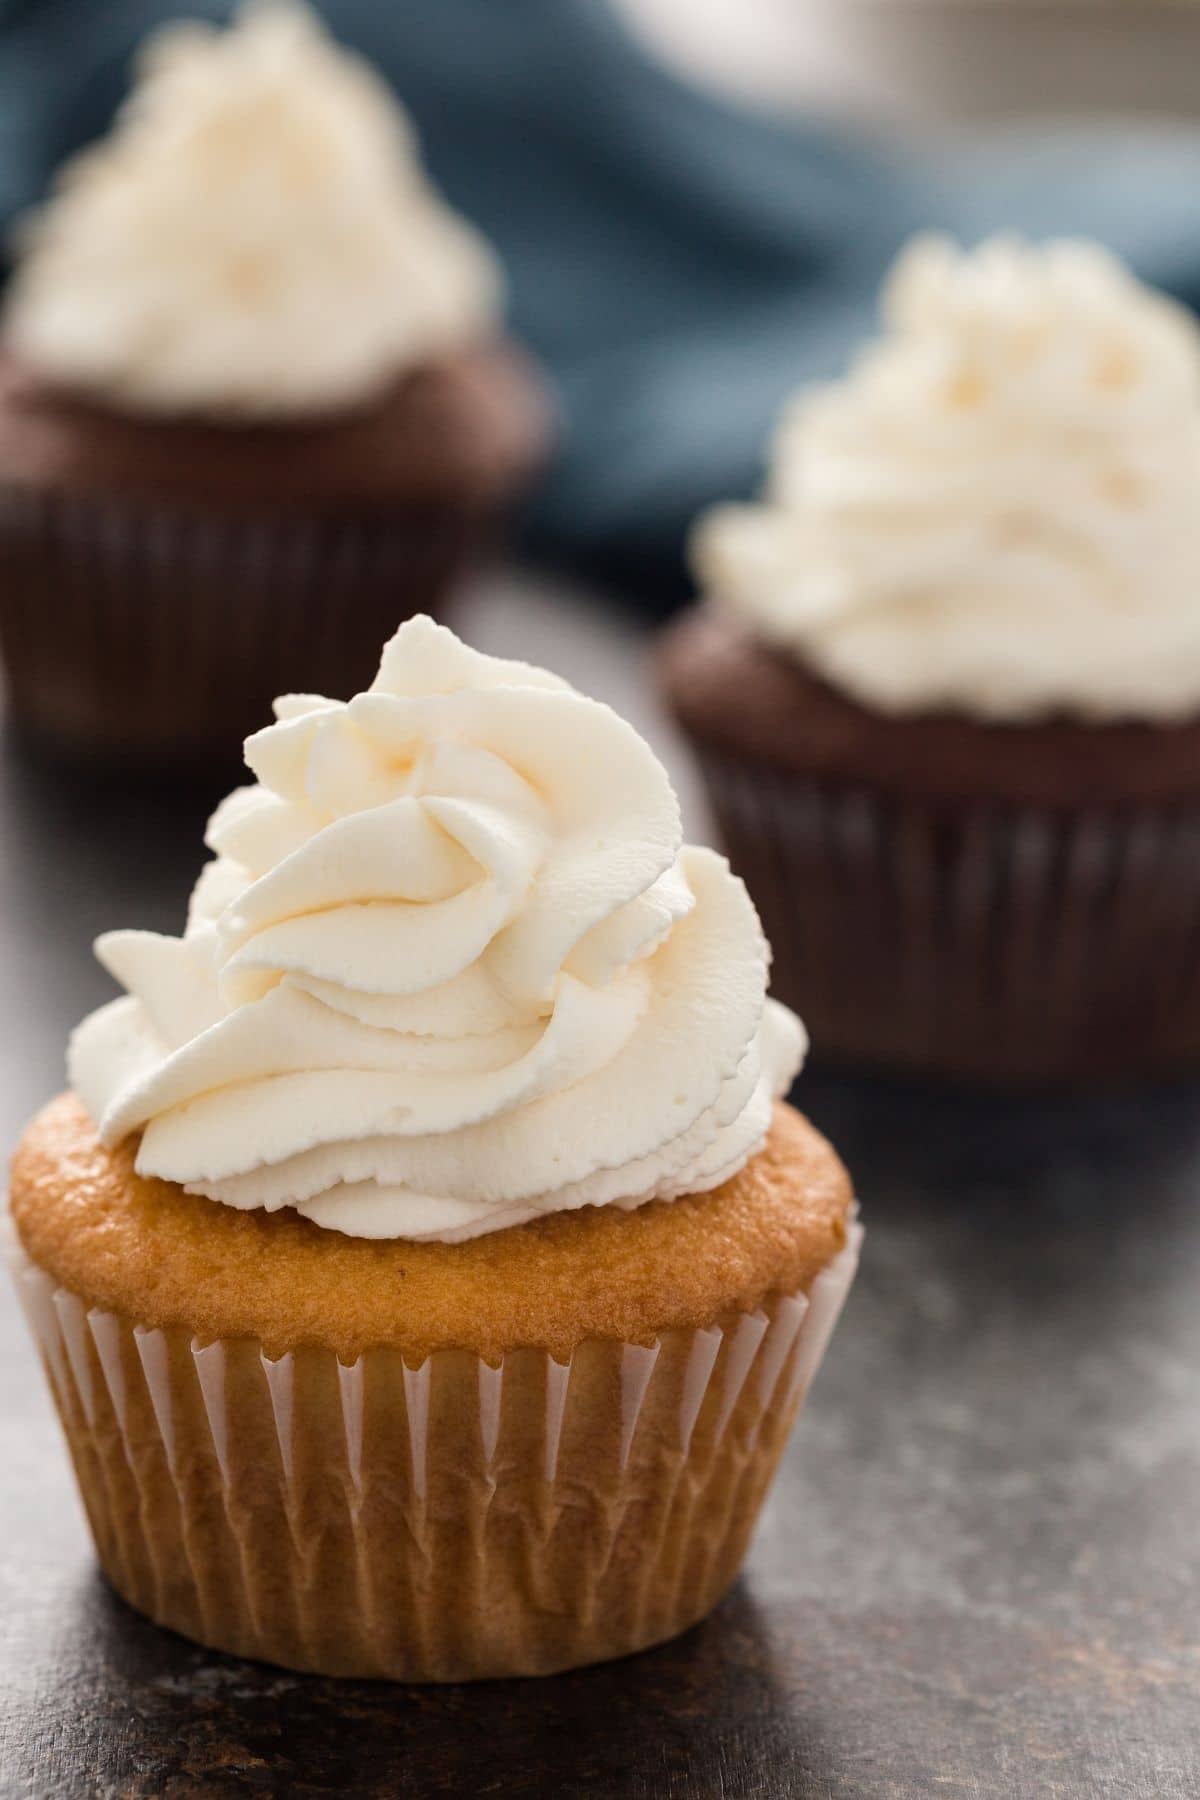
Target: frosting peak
[(254, 238), (998, 508), (450, 968)]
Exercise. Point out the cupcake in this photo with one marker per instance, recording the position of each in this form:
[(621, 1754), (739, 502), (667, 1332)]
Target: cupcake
[(945, 682), (426, 1268), (254, 399)]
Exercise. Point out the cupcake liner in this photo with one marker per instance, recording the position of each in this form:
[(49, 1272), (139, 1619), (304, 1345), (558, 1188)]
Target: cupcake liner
[(133, 630), (446, 1522), (1009, 944)]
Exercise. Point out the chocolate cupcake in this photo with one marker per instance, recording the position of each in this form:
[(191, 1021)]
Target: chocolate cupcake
[(426, 1268), (962, 773), (254, 400)]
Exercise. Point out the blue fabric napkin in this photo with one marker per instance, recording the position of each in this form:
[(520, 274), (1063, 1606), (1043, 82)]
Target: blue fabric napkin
[(678, 265)]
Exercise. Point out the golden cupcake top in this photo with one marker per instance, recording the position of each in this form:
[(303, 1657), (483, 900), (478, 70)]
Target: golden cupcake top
[(145, 1249)]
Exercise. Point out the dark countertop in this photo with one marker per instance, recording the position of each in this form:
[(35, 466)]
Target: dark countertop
[(978, 1574)]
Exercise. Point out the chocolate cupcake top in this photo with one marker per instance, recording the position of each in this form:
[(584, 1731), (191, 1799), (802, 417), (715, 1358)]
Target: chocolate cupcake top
[(997, 511), (254, 239), (451, 970)]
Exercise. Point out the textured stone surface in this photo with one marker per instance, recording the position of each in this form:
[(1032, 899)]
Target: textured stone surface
[(978, 1575)]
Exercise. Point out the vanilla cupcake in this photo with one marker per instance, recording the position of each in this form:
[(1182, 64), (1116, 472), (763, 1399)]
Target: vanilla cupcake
[(254, 398), (961, 767), (427, 1269)]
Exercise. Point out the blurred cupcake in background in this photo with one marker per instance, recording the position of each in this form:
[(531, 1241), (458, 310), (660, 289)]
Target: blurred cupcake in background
[(255, 403), (945, 687)]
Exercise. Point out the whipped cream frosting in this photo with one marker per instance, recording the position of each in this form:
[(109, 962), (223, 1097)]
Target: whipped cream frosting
[(451, 968), (255, 236), (998, 509)]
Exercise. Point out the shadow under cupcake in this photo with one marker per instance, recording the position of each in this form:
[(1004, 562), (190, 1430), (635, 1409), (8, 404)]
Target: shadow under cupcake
[(945, 689), (255, 404)]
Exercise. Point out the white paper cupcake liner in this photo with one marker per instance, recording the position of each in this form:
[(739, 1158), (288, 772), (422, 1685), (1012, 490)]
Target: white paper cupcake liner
[(443, 1522)]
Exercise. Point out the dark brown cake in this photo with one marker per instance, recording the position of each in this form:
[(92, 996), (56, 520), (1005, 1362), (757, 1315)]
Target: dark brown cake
[(793, 720), (470, 425), (1012, 903), (164, 579)]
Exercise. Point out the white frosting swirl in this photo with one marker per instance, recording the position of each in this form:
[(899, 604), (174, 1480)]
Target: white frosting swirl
[(998, 509), (450, 969), (254, 238)]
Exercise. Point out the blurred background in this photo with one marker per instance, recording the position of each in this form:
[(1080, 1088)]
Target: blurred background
[(695, 203), (920, 66)]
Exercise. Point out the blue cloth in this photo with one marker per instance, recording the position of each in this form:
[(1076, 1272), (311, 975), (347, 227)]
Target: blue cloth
[(677, 264)]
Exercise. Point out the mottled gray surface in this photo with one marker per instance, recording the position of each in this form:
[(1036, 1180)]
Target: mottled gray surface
[(978, 1574)]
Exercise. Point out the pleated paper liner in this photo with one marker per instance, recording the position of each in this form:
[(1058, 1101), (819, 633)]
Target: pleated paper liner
[(139, 633), (439, 1523), (1000, 944)]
